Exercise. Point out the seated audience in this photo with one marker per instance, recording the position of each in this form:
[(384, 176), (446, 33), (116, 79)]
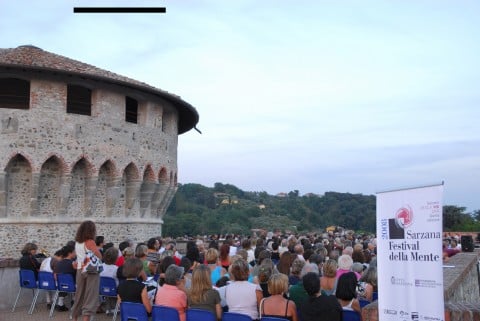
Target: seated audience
[(132, 290), (346, 292), (201, 294)]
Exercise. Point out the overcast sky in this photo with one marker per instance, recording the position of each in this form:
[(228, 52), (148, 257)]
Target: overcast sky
[(315, 96)]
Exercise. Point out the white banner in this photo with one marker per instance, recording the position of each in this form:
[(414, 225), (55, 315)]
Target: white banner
[(409, 254)]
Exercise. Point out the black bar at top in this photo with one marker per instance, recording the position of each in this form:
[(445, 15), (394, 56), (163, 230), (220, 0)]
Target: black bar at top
[(119, 10)]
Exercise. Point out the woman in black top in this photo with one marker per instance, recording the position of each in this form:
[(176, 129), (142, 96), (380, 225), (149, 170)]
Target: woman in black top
[(318, 307), (131, 290), (28, 260)]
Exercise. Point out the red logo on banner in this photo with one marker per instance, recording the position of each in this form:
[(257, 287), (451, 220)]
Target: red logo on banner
[(404, 216)]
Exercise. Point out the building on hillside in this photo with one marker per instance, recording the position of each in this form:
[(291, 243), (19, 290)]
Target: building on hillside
[(78, 142)]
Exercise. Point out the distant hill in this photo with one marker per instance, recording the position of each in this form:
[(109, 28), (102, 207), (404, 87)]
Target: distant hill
[(225, 208)]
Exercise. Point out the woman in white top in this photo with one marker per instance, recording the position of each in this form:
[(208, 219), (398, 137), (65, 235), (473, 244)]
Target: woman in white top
[(242, 296)]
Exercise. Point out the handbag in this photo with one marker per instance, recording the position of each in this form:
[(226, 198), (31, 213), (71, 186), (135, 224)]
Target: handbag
[(92, 264)]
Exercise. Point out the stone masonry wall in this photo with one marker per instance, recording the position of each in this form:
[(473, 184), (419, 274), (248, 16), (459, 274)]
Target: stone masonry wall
[(58, 168)]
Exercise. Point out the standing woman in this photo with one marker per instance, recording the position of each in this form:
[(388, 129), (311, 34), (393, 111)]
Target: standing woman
[(86, 296)]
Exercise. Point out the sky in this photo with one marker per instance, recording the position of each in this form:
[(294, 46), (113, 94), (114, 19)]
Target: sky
[(314, 96)]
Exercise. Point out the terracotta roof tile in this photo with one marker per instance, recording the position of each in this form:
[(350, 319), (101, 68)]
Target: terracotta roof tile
[(32, 57)]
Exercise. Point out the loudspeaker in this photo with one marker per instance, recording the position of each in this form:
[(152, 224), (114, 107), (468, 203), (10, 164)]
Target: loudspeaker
[(467, 243)]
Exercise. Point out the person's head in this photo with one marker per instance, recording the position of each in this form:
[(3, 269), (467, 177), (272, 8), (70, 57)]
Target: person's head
[(370, 276), (278, 284), (347, 286), (29, 249), (128, 252), (345, 262), (132, 268), (308, 268), (224, 251), (298, 249), (141, 251), (201, 282), (166, 262), (330, 268), (285, 262), (274, 246), (110, 256), (86, 231), (246, 244), (67, 251), (311, 283), (211, 256), (152, 244), (264, 273), (173, 274), (297, 267), (357, 267), (186, 264), (242, 253), (99, 240), (122, 246), (240, 270)]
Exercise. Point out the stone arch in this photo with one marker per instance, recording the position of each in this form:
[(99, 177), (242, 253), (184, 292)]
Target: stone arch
[(175, 180), (78, 194), (129, 187), (49, 187), (18, 182), (102, 200), (163, 176), (147, 190)]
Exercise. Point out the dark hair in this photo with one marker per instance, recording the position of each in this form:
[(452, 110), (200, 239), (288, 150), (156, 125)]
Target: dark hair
[(110, 256), (307, 254), (192, 252), (86, 231), (186, 263), (347, 286), (28, 248), (151, 243), (274, 246), (223, 281), (65, 251), (122, 246), (99, 240), (132, 268), (166, 262), (311, 283), (107, 246), (224, 251)]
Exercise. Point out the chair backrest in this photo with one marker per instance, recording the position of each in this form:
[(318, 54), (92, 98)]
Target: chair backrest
[(27, 279), (108, 286), (46, 281), (273, 319), (233, 316), (200, 315), (164, 313), (351, 316), (374, 296), (66, 283), (133, 311)]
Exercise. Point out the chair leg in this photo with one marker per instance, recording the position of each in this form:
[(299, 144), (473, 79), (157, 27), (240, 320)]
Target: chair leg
[(115, 312), (16, 300), (32, 306), (54, 303)]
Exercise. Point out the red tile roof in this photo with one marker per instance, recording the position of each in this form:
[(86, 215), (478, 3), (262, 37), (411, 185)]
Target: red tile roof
[(34, 58)]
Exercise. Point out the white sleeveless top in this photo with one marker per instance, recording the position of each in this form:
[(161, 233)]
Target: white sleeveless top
[(81, 254)]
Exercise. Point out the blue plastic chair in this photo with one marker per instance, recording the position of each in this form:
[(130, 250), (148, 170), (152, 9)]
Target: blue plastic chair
[(273, 319), (164, 313), (200, 315), (233, 316), (65, 283), (27, 281), (351, 316), (374, 296), (46, 282), (108, 288), (133, 311)]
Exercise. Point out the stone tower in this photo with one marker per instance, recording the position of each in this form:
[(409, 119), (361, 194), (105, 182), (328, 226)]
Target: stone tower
[(78, 142)]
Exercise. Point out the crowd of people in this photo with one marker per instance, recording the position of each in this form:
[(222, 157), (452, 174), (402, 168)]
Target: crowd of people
[(296, 277)]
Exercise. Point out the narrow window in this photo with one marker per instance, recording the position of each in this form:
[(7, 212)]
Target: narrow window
[(14, 93), (79, 100), (131, 110)]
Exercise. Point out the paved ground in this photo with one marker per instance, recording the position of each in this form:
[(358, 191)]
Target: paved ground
[(41, 314)]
